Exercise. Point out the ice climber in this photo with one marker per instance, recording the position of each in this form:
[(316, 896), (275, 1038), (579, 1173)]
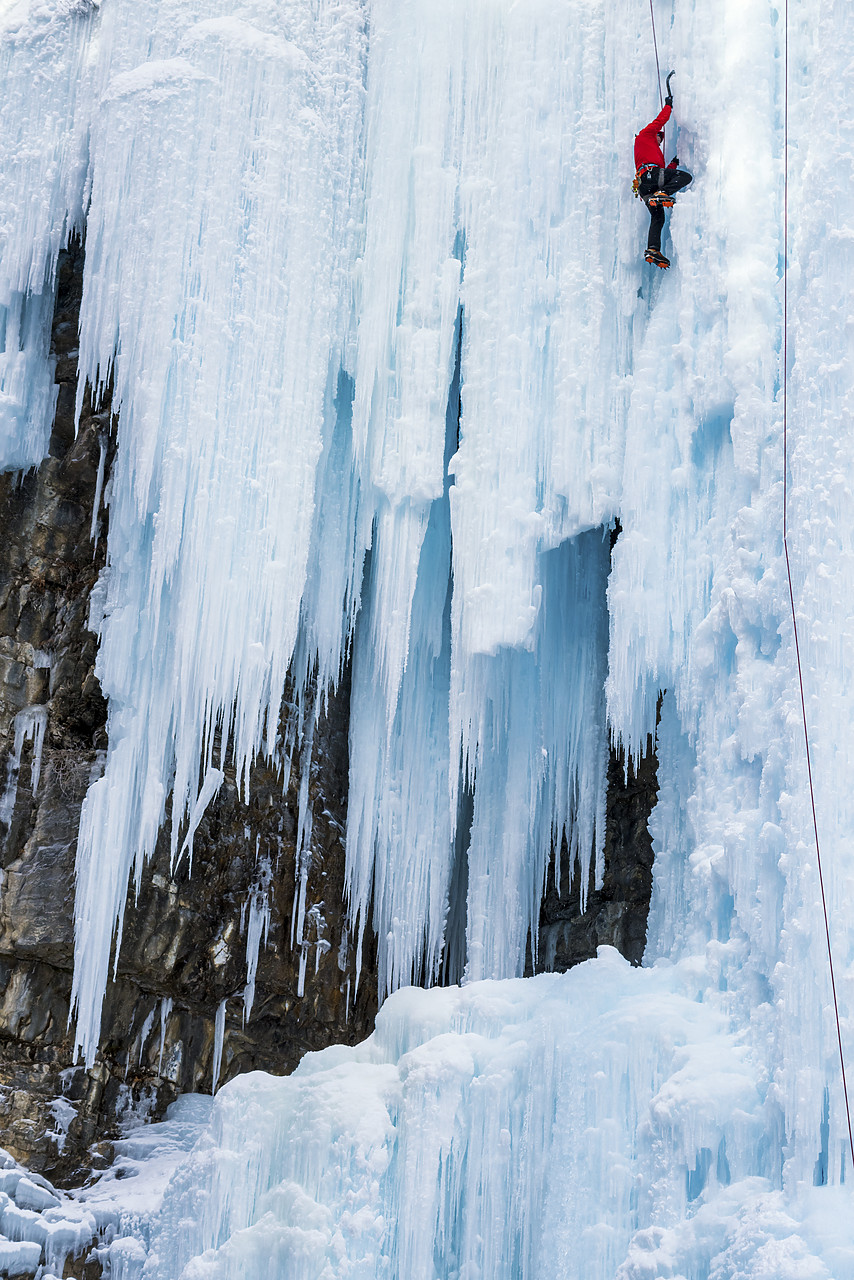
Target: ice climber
[(656, 184)]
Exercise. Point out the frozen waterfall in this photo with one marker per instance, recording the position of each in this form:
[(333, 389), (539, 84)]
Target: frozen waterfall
[(365, 279)]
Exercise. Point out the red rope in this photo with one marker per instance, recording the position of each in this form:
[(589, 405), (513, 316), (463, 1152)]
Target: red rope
[(789, 569)]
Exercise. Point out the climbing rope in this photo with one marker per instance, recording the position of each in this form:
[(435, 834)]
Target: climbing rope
[(655, 46), (789, 568)]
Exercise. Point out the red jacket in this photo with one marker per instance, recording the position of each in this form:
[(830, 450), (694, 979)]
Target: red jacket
[(647, 150)]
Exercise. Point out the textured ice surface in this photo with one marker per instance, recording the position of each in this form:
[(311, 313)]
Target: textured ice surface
[(39, 1226), (108, 1220), (599, 1123), (366, 281), (43, 164), (292, 245), (231, 147)]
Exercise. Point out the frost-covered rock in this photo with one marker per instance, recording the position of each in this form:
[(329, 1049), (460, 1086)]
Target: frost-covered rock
[(19, 1258), (40, 1227), (31, 1195)]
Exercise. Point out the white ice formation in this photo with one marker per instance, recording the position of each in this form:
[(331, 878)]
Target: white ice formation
[(365, 278), (43, 54), (30, 725)]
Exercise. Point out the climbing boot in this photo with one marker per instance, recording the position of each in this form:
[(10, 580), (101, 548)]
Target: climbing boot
[(657, 259), (660, 199)]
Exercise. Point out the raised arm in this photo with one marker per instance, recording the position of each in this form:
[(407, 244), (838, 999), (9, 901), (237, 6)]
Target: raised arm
[(658, 123)]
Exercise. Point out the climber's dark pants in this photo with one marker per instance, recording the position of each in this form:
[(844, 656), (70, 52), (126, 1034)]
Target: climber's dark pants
[(669, 180)]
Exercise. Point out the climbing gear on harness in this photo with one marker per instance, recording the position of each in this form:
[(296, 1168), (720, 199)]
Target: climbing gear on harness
[(641, 170), (658, 196)]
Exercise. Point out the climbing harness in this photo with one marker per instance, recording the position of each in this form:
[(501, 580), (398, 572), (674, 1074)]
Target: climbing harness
[(640, 171), (789, 568), (658, 197)]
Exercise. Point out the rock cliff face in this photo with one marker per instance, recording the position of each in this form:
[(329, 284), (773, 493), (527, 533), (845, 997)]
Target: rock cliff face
[(183, 957)]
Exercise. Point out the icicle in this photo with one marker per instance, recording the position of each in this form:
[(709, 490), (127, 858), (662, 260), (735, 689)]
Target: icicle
[(305, 820), (259, 924), (211, 784), (219, 1039), (30, 725), (314, 923), (165, 1010), (144, 1033), (99, 487), (27, 389), (399, 784), (230, 339)]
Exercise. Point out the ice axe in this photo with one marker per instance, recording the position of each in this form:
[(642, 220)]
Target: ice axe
[(668, 101)]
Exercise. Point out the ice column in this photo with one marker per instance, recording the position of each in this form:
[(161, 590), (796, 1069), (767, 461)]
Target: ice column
[(487, 140), (821, 501), (540, 772), (44, 74), (698, 594), (408, 301), (400, 833), (227, 144)]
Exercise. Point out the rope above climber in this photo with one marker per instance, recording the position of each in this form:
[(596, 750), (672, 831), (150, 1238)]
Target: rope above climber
[(656, 183)]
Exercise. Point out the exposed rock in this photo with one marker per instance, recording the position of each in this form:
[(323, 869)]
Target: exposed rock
[(616, 914)]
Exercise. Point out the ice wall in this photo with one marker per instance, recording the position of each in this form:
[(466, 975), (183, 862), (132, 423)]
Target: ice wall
[(691, 1127), (292, 245), (388, 367)]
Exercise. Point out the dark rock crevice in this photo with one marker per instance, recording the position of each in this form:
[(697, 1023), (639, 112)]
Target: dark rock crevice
[(615, 915)]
